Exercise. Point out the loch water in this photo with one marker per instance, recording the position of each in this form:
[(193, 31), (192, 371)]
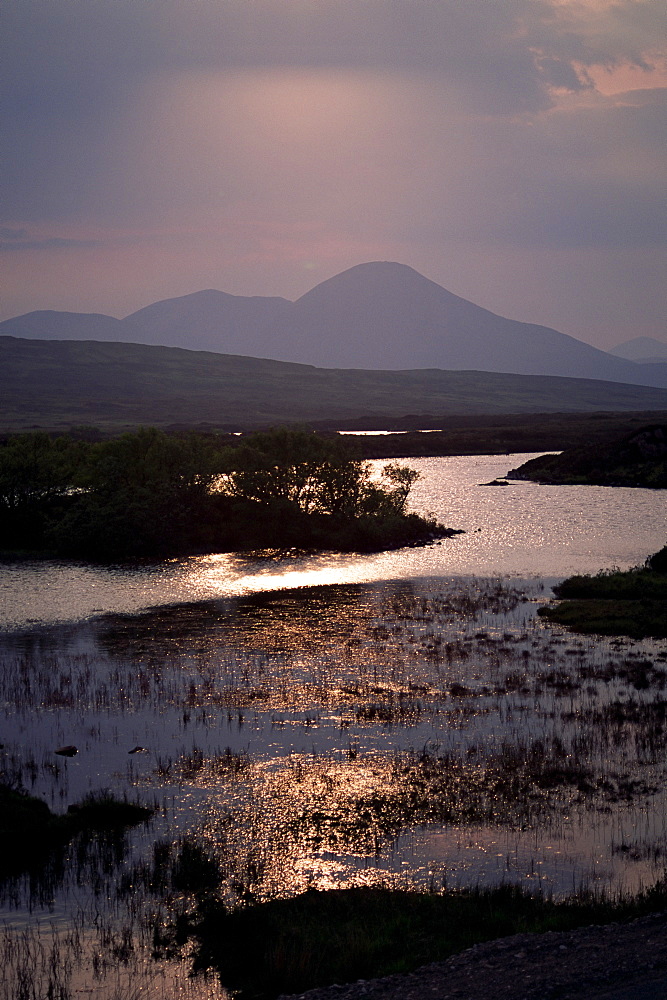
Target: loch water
[(523, 529), (321, 720)]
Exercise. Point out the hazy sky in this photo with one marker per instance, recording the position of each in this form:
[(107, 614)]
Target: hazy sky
[(515, 151)]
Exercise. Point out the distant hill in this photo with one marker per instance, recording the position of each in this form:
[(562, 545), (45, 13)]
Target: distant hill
[(58, 384), (211, 321), (47, 324), (375, 316), (643, 349)]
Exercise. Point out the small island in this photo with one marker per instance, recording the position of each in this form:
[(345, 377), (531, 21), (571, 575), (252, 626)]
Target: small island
[(638, 459), (154, 495)]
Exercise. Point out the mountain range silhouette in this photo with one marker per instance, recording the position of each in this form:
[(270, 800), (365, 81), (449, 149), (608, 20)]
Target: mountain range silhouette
[(375, 316)]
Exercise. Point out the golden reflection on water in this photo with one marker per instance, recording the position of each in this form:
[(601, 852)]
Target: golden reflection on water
[(373, 654), (522, 529), (431, 818), (304, 822), (226, 573), (422, 733)]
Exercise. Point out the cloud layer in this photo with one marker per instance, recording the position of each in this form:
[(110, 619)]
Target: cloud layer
[(513, 152)]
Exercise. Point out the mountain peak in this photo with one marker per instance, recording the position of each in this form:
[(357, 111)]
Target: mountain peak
[(391, 268), (641, 348), (376, 277), (375, 315)]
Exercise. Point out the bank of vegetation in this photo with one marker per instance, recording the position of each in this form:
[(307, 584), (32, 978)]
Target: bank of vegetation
[(504, 433), (636, 459), (152, 495), (632, 603), (426, 435), (288, 946)]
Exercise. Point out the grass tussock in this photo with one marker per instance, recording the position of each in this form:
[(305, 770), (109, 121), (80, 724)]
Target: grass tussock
[(637, 619), (632, 603), (30, 832)]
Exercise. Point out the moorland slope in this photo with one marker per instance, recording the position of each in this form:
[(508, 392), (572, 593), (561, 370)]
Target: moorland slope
[(57, 384)]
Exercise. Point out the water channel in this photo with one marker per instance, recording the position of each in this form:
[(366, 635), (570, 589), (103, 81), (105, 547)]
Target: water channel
[(324, 720)]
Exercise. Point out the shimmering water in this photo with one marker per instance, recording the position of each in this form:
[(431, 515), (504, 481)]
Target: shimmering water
[(402, 718), (522, 529)]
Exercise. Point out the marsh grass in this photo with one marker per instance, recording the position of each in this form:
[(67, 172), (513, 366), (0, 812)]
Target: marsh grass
[(89, 957), (265, 834), (356, 719), (637, 619), (33, 838), (37, 966), (612, 602)]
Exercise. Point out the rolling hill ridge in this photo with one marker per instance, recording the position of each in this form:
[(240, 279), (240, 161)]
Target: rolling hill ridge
[(57, 384)]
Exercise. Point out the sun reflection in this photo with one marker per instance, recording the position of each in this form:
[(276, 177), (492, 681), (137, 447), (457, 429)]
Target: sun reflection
[(303, 822), (272, 571)]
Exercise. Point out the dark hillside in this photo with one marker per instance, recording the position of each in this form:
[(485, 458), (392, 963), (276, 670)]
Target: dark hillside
[(55, 385), (380, 315)]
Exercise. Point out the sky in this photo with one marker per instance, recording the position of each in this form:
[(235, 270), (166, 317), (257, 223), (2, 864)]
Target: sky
[(514, 151)]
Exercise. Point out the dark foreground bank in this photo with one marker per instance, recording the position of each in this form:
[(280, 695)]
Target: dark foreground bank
[(617, 961), (342, 936)]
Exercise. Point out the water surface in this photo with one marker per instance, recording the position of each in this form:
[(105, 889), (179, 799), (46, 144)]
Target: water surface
[(403, 718), (522, 529)]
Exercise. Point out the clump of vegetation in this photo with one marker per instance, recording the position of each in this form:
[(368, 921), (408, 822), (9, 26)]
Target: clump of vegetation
[(632, 603), (150, 494), (182, 866), (30, 832), (103, 811), (337, 936), (21, 815), (657, 563), (639, 459)]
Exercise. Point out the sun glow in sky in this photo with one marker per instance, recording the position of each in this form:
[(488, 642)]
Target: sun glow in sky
[(512, 152)]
